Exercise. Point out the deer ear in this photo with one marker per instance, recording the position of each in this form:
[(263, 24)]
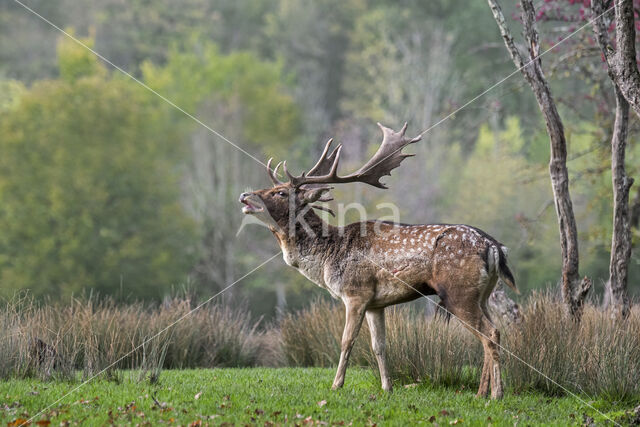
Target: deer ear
[(316, 194)]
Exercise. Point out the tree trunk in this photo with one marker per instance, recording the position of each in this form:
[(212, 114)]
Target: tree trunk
[(502, 307), (616, 286), (621, 61), (574, 289)]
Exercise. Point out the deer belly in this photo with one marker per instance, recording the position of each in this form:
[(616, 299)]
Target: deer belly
[(397, 291)]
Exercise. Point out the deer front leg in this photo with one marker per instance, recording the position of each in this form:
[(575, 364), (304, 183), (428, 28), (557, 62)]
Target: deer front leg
[(354, 314), (375, 319)]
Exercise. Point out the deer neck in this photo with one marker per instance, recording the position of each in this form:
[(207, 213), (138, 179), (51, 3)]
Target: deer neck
[(306, 244)]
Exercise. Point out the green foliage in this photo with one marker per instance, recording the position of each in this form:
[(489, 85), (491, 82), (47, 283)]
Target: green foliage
[(12, 90), (75, 61), (89, 189), (237, 84)]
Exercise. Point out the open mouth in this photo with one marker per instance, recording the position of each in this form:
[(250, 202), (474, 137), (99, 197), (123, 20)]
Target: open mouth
[(248, 207)]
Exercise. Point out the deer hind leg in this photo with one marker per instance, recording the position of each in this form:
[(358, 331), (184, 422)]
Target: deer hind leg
[(471, 314), (355, 311), (491, 345), (485, 377), (375, 319)]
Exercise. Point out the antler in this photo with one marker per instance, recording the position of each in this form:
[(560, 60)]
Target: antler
[(388, 157), (273, 174)]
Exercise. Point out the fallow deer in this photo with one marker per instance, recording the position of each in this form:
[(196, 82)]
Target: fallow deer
[(374, 264)]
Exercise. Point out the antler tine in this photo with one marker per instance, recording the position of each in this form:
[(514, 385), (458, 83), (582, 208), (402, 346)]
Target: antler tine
[(292, 178), (323, 157), (273, 173), (388, 157), (333, 173)]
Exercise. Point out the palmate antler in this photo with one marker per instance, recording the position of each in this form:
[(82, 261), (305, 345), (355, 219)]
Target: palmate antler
[(325, 171)]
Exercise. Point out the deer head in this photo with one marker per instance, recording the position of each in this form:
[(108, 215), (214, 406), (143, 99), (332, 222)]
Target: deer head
[(276, 207)]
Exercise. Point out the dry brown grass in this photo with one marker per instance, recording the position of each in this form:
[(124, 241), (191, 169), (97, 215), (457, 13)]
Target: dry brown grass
[(91, 335), (596, 357)]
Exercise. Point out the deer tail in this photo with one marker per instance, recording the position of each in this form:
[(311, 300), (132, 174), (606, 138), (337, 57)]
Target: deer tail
[(503, 269)]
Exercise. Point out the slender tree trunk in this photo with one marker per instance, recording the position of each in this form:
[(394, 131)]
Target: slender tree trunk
[(574, 289), (623, 72), (616, 287), (623, 68)]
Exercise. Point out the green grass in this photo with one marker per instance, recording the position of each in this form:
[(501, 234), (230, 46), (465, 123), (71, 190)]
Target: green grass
[(281, 396)]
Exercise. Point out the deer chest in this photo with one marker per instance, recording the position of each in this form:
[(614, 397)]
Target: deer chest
[(310, 267)]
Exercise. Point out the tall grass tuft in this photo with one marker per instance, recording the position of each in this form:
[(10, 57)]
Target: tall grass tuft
[(595, 357), (427, 348), (100, 336), (546, 351), (417, 347), (312, 336)]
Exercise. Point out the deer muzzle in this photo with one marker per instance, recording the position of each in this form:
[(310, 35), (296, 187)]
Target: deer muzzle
[(252, 203)]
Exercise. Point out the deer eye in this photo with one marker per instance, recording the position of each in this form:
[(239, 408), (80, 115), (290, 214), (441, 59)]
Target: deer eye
[(282, 193)]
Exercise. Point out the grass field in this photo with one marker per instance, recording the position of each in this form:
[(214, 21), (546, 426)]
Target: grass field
[(262, 396)]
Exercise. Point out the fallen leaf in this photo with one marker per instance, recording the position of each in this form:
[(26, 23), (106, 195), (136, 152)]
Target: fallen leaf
[(18, 422), (456, 421), (322, 403), (411, 385), (259, 412), (444, 412), (197, 396), (43, 422), (432, 419)]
